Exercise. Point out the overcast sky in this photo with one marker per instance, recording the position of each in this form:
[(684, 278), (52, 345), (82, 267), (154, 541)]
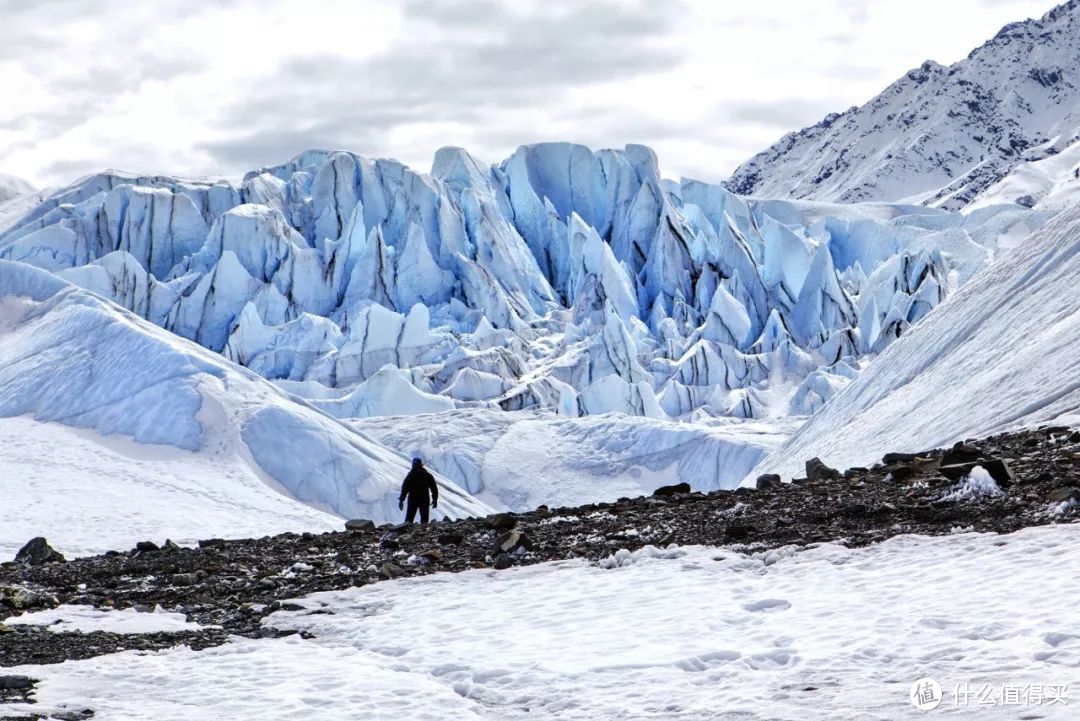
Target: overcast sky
[(216, 87)]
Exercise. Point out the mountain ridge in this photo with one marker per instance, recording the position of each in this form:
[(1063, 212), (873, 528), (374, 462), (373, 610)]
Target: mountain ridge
[(938, 135)]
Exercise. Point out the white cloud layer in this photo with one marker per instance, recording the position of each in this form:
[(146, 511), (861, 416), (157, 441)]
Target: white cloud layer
[(215, 87)]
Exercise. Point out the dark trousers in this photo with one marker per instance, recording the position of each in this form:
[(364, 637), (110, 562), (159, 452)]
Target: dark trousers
[(411, 508)]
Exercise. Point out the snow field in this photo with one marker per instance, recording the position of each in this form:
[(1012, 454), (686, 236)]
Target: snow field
[(87, 619), (693, 633)]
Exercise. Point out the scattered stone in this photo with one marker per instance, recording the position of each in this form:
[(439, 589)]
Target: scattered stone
[(38, 551), (816, 470), (663, 491), (769, 481), (230, 586), (360, 524)]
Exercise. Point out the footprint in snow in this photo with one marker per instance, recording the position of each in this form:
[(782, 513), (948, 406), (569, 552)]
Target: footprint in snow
[(767, 604)]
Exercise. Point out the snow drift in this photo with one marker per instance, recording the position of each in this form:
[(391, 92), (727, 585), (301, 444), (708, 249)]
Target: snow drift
[(521, 459), (70, 357)]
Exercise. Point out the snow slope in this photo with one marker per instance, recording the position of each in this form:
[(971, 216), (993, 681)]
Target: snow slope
[(89, 493), (939, 135), (1052, 182), (1000, 353), (521, 459), (71, 358), (682, 634)]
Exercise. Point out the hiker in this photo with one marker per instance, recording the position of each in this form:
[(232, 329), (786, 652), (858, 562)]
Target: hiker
[(417, 486)]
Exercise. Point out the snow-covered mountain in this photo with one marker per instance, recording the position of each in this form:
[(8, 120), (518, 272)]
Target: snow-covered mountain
[(1000, 353), (228, 443), (12, 187), (17, 197), (939, 135), (561, 279)]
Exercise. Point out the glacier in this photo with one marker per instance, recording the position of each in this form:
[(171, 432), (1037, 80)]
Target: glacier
[(998, 354), (561, 279)]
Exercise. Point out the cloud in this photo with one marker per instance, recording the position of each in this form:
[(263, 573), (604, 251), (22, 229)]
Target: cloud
[(222, 86), (463, 62), (783, 113)]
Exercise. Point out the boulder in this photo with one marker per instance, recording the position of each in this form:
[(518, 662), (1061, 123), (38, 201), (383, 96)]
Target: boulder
[(672, 490), (768, 481), (146, 546), (738, 532), (1062, 495), (960, 453), (390, 571), (25, 599), (956, 471), (14, 683), (997, 468), (359, 524), (503, 561), (185, 579), (902, 472), (502, 521), (511, 541), (892, 458), (38, 551), (816, 470)]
